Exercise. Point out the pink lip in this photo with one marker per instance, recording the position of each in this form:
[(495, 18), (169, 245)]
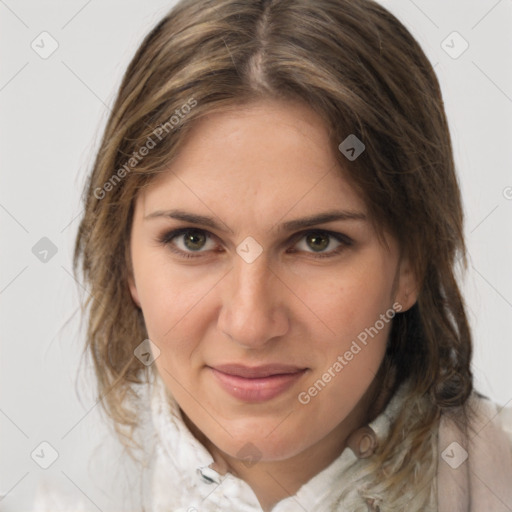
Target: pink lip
[(256, 384)]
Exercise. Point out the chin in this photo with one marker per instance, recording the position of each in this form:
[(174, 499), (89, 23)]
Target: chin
[(262, 448)]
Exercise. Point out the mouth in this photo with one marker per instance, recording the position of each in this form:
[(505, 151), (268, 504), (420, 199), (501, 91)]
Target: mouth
[(258, 383)]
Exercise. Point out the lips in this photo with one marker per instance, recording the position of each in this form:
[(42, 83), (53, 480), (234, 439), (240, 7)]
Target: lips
[(255, 372), (258, 383)]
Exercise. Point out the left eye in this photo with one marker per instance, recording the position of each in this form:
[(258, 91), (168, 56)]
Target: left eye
[(318, 241)]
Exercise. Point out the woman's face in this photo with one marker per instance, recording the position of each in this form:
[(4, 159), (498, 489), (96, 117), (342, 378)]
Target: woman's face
[(263, 283)]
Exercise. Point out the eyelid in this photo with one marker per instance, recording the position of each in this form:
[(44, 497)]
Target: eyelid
[(340, 237), (174, 233)]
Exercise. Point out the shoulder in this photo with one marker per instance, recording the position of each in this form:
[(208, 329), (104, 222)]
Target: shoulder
[(475, 463), (500, 417), (485, 420), (490, 424)]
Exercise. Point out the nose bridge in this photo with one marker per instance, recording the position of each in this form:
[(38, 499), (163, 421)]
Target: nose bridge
[(252, 311), (251, 288)]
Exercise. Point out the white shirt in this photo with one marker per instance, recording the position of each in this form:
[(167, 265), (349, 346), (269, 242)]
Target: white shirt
[(179, 479)]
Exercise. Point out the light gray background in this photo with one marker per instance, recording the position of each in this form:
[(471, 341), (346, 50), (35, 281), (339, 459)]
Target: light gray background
[(53, 113)]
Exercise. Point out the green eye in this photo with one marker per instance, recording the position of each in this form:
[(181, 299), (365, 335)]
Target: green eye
[(194, 240), (318, 241), (322, 244), (187, 241)]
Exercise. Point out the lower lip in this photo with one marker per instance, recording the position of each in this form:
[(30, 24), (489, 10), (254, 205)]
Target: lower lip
[(258, 389)]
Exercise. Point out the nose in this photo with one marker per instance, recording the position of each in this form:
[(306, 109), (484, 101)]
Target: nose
[(253, 310)]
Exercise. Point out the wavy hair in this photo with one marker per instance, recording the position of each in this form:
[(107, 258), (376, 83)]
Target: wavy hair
[(356, 65)]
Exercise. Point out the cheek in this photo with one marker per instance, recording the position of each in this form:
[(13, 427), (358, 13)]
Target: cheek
[(176, 305), (347, 365), (165, 293), (351, 339), (350, 301)]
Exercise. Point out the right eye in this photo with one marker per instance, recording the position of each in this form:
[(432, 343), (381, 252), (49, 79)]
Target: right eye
[(187, 241)]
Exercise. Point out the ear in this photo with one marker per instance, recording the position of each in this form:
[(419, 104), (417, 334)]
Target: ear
[(406, 286), (133, 289)]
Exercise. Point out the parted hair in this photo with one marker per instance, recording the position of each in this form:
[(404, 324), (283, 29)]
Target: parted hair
[(360, 69)]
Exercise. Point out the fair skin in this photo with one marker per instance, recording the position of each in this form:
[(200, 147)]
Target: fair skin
[(301, 302)]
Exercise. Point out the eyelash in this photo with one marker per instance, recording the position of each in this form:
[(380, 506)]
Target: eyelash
[(167, 238)]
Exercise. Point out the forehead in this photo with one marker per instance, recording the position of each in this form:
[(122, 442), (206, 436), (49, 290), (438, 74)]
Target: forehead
[(269, 130), (270, 156)]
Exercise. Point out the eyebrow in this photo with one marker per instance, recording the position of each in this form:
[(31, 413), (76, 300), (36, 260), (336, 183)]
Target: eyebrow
[(291, 225)]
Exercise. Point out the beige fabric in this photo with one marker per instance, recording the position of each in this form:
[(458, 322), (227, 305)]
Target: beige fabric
[(475, 473)]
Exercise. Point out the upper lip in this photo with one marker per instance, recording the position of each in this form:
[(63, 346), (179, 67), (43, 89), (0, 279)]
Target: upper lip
[(257, 371)]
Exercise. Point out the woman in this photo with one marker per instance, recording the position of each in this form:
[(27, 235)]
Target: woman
[(270, 235)]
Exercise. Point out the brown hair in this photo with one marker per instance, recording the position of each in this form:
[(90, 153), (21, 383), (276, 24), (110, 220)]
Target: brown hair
[(357, 66)]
